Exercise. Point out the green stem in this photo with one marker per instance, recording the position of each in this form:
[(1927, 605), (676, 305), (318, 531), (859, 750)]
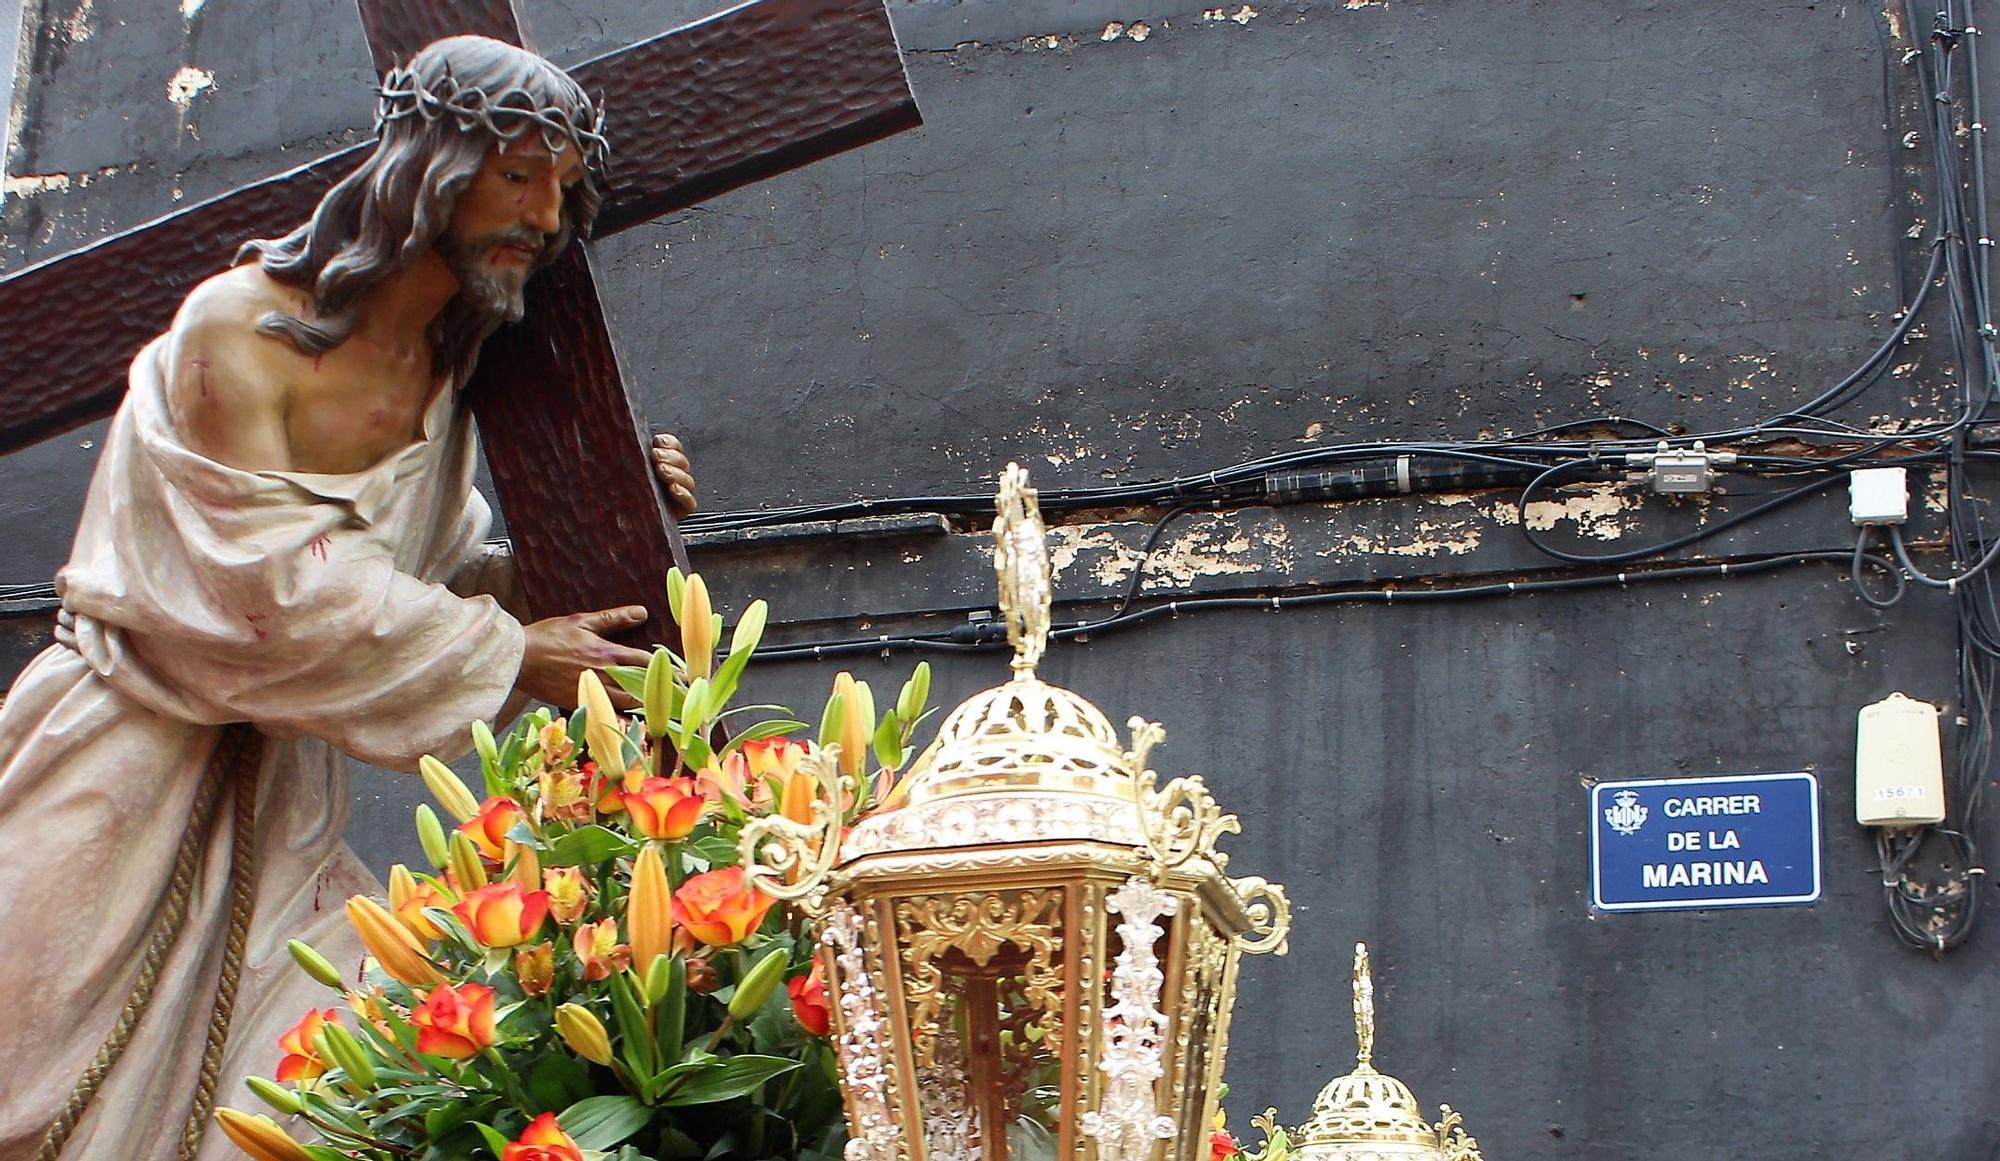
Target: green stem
[(515, 1092), (715, 1037)]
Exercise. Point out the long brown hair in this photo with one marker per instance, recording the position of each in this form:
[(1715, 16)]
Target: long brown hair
[(386, 213)]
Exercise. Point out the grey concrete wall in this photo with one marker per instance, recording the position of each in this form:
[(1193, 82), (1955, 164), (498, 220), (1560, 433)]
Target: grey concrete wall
[(1135, 242)]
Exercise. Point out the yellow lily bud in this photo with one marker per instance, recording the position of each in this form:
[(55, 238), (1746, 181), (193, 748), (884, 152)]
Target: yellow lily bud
[(430, 835), (857, 722), (525, 866), (484, 742), (659, 699), (260, 1137), (659, 977), (447, 789), (390, 943), (584, 1033), (284, 1100), (600, 728), (314, 964), (649, 910), (466, 868), (348, 1053), (697, 633), (758, 983)]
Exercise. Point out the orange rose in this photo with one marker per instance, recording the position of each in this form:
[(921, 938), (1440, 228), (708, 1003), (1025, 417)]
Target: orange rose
[(535, 967), (569, 892), (501, 914), (488, 829), (542, 1140), (808, 994), (720, 907), (598, 949), (664, 808), (302, 1060), (455, 1022)]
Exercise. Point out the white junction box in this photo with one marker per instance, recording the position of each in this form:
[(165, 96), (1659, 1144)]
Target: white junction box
[(1898, 764), (1878, 495)]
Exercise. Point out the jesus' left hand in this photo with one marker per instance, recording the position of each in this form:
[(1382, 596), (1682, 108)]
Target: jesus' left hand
[(670, 462)]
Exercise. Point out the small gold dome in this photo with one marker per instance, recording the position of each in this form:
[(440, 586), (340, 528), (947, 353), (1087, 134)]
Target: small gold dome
[(1367, 1114), (1027, 735)]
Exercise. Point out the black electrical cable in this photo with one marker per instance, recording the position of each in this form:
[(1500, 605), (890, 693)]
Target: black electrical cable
[(1861, 556), (992, 633), (1700, 534)]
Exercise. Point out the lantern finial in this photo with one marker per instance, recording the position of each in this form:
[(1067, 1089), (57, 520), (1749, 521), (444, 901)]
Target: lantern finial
[(1021, 560), (1364, 1008)]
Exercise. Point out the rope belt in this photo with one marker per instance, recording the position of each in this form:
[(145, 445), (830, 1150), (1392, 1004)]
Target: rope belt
[(233, 765)]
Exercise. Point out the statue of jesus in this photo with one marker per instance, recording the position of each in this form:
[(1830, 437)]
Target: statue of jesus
[(281, 531)]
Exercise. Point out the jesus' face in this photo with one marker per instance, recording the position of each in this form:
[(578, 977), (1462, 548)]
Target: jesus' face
[(506, 222)]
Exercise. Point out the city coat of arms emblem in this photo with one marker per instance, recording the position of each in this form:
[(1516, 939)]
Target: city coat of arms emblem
[(1625, 814)]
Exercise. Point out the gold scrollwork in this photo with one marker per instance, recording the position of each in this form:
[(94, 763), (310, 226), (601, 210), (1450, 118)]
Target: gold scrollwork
[(1270, 916), (1181, 820), (791, 860), (977, 925), (1452, 1140)]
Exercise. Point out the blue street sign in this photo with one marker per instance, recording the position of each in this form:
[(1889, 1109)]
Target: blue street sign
[(1748, 841)]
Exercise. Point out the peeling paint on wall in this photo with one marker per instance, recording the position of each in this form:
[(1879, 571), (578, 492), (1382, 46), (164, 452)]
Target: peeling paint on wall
[(187, 84), (1596, 515), (77, 27)]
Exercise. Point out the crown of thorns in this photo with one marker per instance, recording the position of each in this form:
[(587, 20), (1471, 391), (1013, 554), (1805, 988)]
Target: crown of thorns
[(509, 116)]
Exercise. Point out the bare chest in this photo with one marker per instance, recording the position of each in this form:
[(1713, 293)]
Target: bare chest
[(348, 415)]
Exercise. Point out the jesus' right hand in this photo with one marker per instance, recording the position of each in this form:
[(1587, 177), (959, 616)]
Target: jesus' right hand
[(559, 649)]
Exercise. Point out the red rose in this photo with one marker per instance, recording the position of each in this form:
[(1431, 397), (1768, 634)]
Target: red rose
[(808, 994)]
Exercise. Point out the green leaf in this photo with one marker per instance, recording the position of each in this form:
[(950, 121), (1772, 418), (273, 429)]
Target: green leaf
[(749, 629), (630, 678), (829, 721), (735, 1077), (558, 1080), (440, 1121), (727, 677), (588, 846), (670, 1015), (602, 1122), (635, 1036), (495, 1139)]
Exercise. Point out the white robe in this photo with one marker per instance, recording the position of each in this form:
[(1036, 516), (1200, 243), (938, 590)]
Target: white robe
[(312, 606)]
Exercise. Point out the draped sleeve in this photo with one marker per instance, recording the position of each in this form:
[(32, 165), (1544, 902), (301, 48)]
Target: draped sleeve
[(305, 604)]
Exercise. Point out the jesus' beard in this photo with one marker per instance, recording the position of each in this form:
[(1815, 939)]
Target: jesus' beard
[(487, 288)]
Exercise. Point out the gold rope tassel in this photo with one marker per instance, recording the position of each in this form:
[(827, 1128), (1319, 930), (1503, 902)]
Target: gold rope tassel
[(234, 760), (242, 902)]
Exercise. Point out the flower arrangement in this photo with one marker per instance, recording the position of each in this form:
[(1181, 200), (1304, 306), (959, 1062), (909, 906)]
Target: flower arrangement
[(585, 970)]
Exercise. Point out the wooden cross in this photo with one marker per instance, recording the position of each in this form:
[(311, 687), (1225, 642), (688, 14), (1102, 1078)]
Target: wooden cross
[(709, 107)]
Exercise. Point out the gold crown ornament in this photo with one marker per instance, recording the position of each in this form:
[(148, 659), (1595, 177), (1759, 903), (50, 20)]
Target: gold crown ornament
[(1366, 1115)]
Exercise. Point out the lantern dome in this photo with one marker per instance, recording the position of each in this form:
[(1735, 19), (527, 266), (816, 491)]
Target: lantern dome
[(1369, 1116)]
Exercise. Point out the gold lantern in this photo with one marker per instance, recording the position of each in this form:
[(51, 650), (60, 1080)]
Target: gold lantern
[(1034, 953), (1365, 1115)]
